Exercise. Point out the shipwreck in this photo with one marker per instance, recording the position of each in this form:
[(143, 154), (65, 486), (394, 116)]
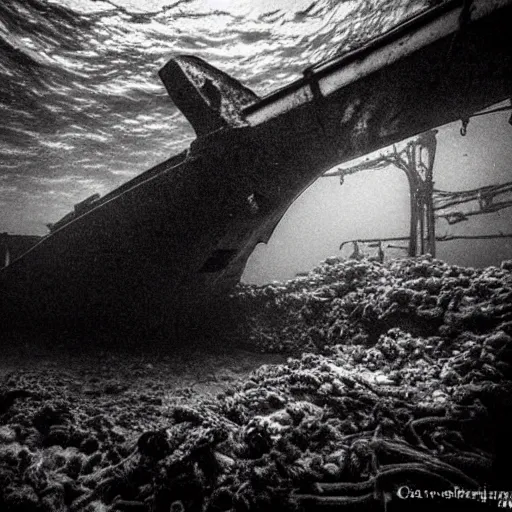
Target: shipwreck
[(174, 238)]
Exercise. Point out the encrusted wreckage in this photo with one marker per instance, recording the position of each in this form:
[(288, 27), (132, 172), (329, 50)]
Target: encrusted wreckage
[(427, 204), (374, 409), (182, 232)]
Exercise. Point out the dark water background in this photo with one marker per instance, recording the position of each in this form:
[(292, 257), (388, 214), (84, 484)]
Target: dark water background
[(82, 110)]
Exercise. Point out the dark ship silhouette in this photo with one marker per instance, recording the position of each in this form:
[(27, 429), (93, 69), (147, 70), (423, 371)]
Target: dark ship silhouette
[(176, 237)]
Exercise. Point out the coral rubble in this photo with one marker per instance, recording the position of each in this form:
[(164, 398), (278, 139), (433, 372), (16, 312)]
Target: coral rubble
[(400, 379)]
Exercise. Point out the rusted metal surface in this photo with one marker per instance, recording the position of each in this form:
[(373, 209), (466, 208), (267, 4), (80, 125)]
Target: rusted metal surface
[(208, 98), (416, 160), (180, 234)]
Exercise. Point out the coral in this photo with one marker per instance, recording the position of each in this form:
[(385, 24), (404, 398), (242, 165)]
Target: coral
[(341, 301)]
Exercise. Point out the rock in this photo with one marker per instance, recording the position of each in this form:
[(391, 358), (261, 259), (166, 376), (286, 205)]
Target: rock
[(506, 265), (332, 471), (439, 396), (498, 340), (7, 435), (326, 389), (96, 506), (383, 380), (448, 376)]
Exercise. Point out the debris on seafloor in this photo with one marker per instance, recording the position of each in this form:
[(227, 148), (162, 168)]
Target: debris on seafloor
[(402, 386)]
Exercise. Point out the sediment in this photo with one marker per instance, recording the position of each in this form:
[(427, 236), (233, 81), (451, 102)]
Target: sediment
[(398, 380)]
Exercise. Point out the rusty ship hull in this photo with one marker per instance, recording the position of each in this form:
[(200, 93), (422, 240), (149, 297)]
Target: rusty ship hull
[(179, 235)]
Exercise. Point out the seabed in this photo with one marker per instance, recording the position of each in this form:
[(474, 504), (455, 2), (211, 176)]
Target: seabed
[(361, 385)]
